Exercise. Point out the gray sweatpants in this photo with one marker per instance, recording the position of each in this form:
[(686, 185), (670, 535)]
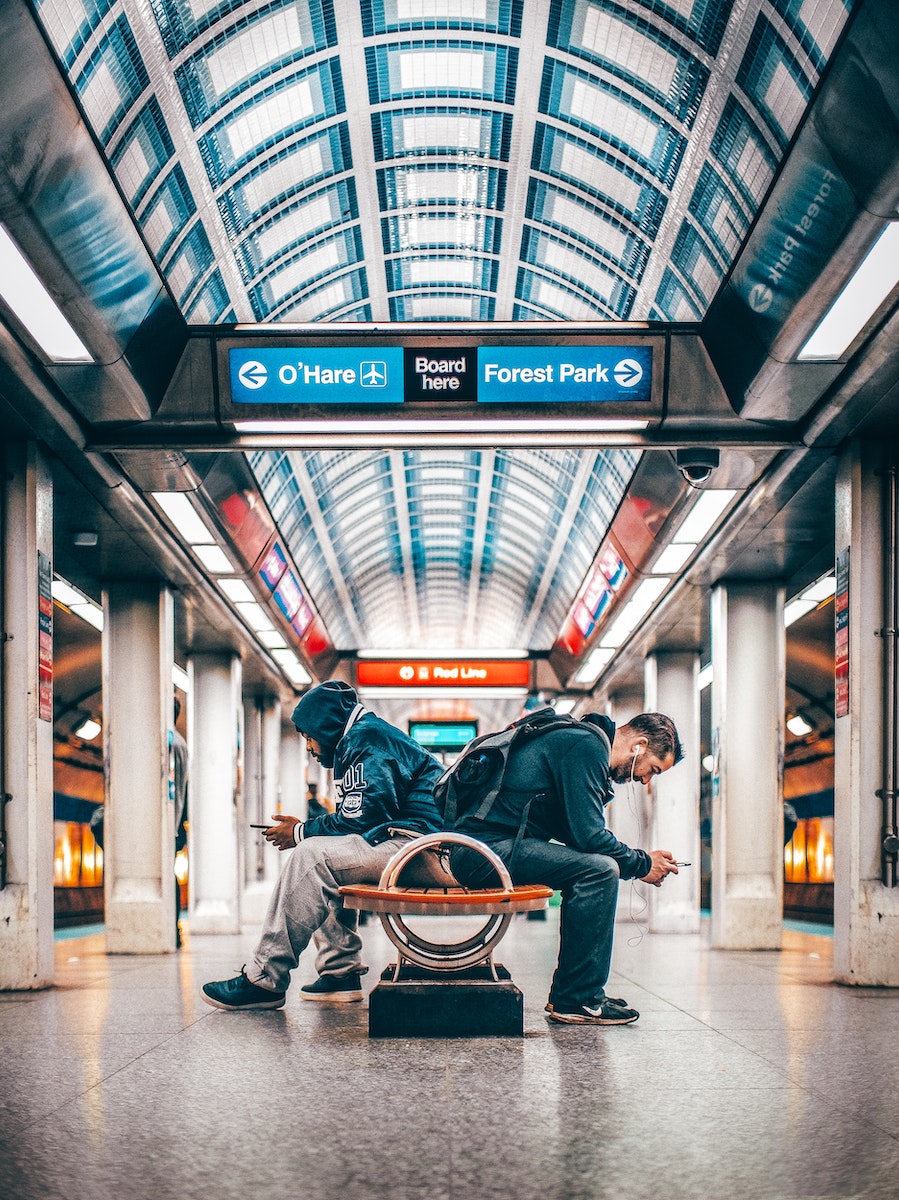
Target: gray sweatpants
[(306, 899)]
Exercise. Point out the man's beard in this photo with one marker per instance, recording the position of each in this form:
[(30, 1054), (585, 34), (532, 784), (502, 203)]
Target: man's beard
[(621, 774)]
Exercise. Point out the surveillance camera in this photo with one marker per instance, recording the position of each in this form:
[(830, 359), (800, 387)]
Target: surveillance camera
[(696, 465)]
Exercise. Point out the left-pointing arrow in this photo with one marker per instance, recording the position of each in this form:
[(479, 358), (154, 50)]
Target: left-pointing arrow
[(253, 375)]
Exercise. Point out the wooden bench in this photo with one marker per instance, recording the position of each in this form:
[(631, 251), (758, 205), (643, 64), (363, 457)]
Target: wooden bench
[(444, 988)]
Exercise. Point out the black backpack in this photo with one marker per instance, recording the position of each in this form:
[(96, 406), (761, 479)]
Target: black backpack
[(472, 783)]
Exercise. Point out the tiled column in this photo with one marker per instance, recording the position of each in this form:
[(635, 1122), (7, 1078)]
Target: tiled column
[(216, 746), (748, 661), (674, 807), (866, 912), (139, 824), (26, 903)]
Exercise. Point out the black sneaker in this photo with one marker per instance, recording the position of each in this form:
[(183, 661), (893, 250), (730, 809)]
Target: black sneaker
[(549, 1006), (239, 993), (334, 989), (607, 1012)]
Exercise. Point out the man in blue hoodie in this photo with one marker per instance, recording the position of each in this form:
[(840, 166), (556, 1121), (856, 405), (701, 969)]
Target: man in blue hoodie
[(384, 782)]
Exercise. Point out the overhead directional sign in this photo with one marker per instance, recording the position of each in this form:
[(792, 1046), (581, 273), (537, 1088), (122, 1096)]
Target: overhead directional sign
[(304, 375), (618, 373), (570, 374), (443, 673)]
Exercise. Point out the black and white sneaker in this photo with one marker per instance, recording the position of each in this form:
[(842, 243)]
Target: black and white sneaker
[(607, 1012), (239, 994), (334, 989), (549, 1006)]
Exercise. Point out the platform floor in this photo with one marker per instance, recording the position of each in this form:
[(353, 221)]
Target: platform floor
[(748, 1077)]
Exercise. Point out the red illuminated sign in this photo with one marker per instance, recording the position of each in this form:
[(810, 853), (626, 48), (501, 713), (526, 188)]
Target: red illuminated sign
[(443, 673)]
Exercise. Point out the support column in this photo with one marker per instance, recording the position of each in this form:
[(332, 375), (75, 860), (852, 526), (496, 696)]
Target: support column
[(866, 912), (749, 673), (292, 780), (216, 747), (26, 700), (628, 814), (262, 723), (671, 689), (139, 822)]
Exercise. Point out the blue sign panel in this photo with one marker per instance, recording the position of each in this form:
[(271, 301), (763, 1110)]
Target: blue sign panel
[(564, 374), (794, 240), (304, 375)]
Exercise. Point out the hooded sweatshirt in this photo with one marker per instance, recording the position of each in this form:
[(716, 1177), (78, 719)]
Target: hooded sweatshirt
[(384, 779), (565, 775)]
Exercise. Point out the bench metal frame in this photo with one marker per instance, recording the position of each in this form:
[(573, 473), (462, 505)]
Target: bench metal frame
[(392, 902)]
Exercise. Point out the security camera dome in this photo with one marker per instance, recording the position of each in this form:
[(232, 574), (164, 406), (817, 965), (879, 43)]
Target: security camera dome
[(696, 464)]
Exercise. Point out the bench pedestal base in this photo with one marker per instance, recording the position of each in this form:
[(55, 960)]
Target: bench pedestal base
[(446, 1004)]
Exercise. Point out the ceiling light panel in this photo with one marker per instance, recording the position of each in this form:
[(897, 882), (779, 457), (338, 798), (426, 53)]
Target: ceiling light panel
[(249, 103)]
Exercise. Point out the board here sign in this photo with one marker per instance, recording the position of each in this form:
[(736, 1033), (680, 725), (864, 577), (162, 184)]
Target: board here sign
[(611, 373)]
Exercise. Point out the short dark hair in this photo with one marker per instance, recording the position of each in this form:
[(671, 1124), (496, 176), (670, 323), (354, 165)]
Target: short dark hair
[(660, 733)]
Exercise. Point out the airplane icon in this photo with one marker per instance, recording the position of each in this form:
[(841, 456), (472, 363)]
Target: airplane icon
[(373, 374)]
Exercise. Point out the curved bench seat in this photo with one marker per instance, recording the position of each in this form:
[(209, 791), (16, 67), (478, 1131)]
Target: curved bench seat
[(445, 901)]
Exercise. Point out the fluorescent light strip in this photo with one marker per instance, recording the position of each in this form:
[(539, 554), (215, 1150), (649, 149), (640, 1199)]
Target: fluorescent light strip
[(62, 590), (597, 659), (875, 277), (821, 590), (641, 601), (673, 558), (214, 559), (291, 666), (710, 504), (29, 299), (405, 655), (379, 428), (469, 327), (237, 591), (796, 609), (76, 602), (90, 613), (181, 511), (443, 693), (255, 616)]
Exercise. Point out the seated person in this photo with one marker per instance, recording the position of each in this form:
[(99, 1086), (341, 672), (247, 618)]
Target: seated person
[(384, 782)]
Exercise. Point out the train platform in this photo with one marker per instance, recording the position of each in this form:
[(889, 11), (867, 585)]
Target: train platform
[(750, 1076)]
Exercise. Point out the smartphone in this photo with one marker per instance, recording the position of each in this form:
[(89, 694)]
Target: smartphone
[(680, 864), (260, 826)]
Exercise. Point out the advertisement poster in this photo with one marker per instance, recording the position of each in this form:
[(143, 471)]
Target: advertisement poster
[(841, 636)]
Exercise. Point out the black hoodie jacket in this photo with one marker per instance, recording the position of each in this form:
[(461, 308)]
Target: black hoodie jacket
[(566, 775), (384, 778)]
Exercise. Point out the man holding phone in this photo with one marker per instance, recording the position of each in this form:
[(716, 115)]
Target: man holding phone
[(384, 781)]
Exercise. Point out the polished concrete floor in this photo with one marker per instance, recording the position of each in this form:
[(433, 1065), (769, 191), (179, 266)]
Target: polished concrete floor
[(748, 1077)]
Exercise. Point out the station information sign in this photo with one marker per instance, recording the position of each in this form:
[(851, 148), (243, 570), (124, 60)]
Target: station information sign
[(443, 673), (443, 735), (616, 373)]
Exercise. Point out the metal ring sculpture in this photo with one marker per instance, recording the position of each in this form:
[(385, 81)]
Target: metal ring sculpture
[(442, 956)]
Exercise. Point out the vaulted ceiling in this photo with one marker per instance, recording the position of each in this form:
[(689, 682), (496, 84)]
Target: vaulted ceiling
[(435, 160), (328, 167)]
